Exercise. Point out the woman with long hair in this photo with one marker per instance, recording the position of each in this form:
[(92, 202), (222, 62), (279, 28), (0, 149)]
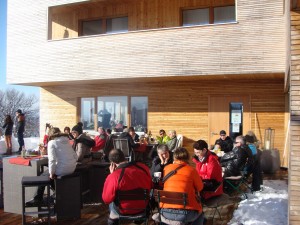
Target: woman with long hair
[(8, 125)]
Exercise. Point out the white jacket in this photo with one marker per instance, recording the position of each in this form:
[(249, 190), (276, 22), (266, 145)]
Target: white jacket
[(61, 156)]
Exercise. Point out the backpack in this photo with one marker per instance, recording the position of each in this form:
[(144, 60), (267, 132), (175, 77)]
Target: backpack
[(88, 142)]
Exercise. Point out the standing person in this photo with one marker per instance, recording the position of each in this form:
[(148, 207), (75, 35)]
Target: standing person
[(225, 142), (61, 160), (187, 180), (8, 125), (209, 169), (124, 176), (20, 129)]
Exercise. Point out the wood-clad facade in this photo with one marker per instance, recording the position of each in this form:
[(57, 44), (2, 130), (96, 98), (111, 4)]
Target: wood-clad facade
[(182, 71), (182, 105), (294, 167)]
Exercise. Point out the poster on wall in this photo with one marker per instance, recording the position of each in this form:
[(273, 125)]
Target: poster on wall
[(236, 127), (236, 116)]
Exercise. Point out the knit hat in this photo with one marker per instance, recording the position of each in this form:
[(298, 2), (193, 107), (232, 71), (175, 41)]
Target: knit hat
[(222, 132), (78, 129), (19, 111)]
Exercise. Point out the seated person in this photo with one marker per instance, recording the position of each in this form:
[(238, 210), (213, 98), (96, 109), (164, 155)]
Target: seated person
[(124, 176), (67, 130), (164, 157), (61, 161), (82, 145), (141, 149), (186, 179), (225, 142), (173, 140), (100, 140), (235, 161), (125, 135), (134, 136), (163, 138), (109, 144), (209, 169)]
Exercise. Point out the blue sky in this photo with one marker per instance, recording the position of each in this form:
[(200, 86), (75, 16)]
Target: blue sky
[(3, 85)]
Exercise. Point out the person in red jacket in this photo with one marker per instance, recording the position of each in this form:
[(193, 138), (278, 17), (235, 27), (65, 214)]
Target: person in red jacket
[(124, 176), (209, 169), (100, 140)]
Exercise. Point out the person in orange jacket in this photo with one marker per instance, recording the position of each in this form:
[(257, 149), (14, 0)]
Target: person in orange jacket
[(187, 180)]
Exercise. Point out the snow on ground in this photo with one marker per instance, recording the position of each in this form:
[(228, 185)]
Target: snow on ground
[(267, 207)]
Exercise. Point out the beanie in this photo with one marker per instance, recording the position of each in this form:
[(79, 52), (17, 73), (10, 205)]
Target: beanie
[(78, 129)]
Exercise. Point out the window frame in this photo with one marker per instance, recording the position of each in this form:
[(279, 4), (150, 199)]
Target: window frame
[(103, 27), (211, 14), (95, 115)]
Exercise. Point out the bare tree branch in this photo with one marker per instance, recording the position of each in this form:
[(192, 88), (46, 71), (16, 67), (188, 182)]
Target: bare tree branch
[(11, 100)]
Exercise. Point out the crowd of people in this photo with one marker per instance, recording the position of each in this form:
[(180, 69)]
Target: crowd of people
[(170, 170)]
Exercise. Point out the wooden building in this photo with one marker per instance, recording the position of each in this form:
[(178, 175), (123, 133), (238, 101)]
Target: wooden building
[(294, 166), (194, 66)]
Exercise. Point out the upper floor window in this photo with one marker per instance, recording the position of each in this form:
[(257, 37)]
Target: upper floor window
[(117, 25), (195, 17), (104, 26), (224, 14), (212, 15), (92, 27)]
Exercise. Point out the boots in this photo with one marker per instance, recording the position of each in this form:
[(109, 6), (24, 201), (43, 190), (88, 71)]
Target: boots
[(8, 151)]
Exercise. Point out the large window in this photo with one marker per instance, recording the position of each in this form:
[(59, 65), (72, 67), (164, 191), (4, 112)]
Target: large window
[(112, 111), (87, 113), (212, 15), (104, 25), (139, 112)]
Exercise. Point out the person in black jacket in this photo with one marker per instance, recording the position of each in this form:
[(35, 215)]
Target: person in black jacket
[(8, 125), (20, 129), (225, 142), (238, 159), (164, 157)]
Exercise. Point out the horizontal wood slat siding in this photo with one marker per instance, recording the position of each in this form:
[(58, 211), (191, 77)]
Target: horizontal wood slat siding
[(294, 176), (182, 106), (255, 44)]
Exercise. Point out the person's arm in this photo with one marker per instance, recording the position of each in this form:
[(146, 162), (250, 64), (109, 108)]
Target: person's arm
[(172, 144), (51, 159), (156, 166), (79, 152), (5, 124), (109, 189)]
